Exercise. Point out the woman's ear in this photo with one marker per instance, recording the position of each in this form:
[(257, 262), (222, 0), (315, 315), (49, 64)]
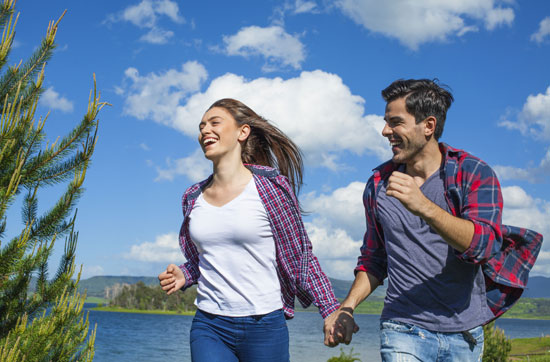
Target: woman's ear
[(244, 132)]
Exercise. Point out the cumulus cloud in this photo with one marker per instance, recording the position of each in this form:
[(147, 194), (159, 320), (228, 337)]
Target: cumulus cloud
[(273, 43), (164, 249), (146, 15), (336, 250), (51, 99), (157, 96), (416, 22), (195, 167), (301, 6), (534, 118), (89, 271), (543, 32), (337, 228), (317, 110), (343, 208), (531, 174), (521, 209)]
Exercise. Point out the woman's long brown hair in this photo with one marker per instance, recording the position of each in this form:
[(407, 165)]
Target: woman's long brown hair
[(266, 145)]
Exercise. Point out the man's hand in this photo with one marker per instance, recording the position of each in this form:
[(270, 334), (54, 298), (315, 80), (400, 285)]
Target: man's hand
[(172, 279), (339, 327), (404, 188)]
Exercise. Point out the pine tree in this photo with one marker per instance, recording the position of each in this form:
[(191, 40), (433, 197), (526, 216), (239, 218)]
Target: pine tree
[(47, 324)]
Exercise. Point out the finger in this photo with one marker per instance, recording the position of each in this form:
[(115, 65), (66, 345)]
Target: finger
[(169, 286), (167, 280)]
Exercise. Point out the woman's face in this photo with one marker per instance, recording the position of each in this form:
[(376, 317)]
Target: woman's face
[(219, 133)]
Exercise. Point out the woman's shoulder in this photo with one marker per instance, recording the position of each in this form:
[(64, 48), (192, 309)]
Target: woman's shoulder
[(265, 171), (194, 190)]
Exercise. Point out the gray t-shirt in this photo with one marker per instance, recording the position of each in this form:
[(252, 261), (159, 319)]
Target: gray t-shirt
[(428, 286)]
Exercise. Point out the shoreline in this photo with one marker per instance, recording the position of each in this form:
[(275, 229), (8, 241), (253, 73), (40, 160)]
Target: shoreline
[(170, 312), (141, 311)]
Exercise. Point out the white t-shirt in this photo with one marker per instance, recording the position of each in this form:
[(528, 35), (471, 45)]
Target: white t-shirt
[(237, 260)]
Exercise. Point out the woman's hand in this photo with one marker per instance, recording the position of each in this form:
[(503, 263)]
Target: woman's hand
[(172, 279)]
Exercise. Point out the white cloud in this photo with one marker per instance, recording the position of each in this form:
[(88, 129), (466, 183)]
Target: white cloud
[(146, 15), (157, 36), (543, 32), (51, 99), (336, 250), (89, 271), (273, 43), (316, 110), (164, 249), (343, 208), (512, 173), (531, 174), (542, 265), (521, 209), (416, 22), (302, 6), (337, 228), (157, 96), (534, 118), (195, 167)]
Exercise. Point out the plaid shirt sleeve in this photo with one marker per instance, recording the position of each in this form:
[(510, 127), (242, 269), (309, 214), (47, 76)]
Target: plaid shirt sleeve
[(299, 269), (190, 268), (481, 203), (373, 258)]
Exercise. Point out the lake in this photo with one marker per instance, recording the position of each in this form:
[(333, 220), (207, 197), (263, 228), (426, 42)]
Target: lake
[(150, 338)]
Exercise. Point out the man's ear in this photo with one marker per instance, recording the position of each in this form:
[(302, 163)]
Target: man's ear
[(429, 128), (244, 132)]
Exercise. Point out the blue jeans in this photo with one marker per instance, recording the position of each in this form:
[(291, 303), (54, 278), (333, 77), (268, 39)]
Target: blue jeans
[(406, 342), (246, 339)]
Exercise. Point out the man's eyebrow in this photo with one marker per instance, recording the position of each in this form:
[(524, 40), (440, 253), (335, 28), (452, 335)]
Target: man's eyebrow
[(393, 118)]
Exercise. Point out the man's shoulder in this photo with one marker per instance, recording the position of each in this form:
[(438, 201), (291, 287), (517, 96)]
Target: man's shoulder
[(459, 159)]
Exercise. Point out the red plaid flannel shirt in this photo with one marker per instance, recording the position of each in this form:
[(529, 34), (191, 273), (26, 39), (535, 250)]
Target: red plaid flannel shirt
[(298, 269), (506, 253)]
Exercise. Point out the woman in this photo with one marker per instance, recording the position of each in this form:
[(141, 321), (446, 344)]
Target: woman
[(244, 241)]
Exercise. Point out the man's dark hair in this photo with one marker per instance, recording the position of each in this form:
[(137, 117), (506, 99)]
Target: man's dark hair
[(424, 98)]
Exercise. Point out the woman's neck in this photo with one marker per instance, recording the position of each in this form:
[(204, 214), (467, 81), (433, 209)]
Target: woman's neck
[(230, 171)]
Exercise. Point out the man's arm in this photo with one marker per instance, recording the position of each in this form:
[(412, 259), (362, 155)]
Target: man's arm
[(340, 325), (457, 232)]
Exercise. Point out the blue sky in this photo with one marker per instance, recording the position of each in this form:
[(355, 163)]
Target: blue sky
[(315, 69)]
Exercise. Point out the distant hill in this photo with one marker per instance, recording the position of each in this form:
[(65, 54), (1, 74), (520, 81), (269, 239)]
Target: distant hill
[(538, 287), (341, 288), (96, 285)]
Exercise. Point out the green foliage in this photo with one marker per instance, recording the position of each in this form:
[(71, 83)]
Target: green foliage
[(143, 297), (536, 308), (343, 357), (48, 325), (497, 346)]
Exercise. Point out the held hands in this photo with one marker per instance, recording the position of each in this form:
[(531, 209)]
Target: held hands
[(339, 327), (172, 279), (404, 188)]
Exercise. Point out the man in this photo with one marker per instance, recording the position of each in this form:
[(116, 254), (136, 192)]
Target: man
[(434, 230)]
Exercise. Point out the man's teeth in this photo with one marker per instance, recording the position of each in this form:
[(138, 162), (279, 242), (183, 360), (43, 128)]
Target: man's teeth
[(395, 143)]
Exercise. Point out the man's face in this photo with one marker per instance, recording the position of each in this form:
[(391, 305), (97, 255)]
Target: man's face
[(407, 138)]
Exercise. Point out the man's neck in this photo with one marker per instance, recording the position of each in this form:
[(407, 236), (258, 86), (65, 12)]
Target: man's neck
[(425, 163)]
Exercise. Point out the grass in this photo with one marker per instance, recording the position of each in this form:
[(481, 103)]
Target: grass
[(140, 311), (97, 300), (530, 349)]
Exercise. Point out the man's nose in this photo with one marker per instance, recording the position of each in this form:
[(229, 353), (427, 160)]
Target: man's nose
[(386, 131)]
